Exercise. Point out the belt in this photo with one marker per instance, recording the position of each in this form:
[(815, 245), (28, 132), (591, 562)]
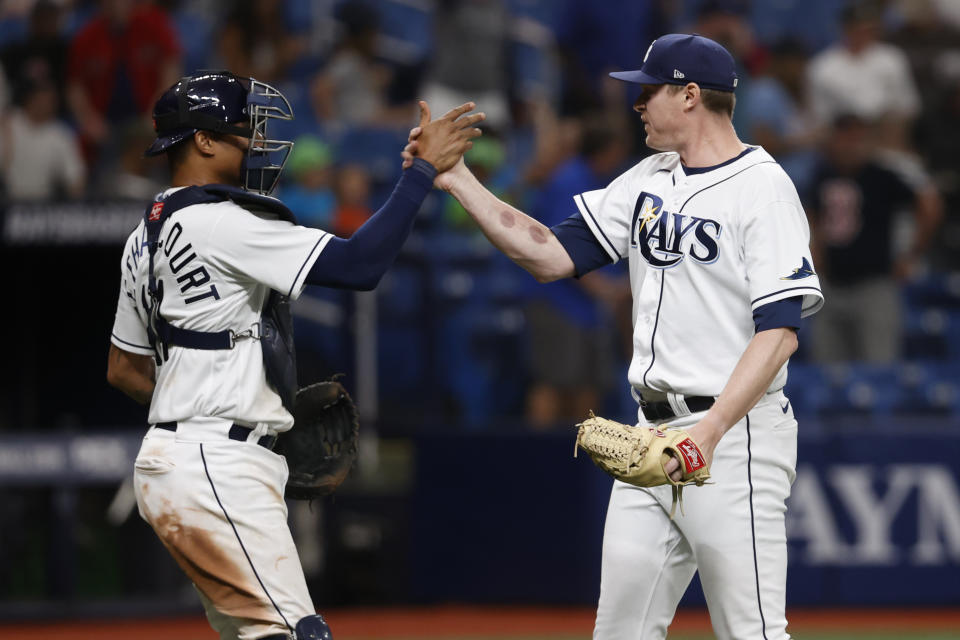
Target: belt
[(237, 432), (663, 411)]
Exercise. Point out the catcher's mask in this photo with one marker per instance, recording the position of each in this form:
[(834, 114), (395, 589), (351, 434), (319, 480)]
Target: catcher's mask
[(217, 101)]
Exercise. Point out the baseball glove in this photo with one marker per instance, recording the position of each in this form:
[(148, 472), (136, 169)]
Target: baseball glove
[(636, 455), (322, 445)]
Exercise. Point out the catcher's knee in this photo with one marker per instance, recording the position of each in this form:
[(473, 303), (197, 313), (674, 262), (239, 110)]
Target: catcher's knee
[(313, 628)]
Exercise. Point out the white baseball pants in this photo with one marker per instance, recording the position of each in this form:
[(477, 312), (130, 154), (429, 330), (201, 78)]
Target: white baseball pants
[(732, 531), (217, 505)]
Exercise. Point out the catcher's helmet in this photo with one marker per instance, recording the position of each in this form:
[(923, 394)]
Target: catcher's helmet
[(225, 103)]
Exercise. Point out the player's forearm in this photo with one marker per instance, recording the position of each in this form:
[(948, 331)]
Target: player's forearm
[(758, 366), (140, 390), (521, 238), (133, 374), (360, 261)]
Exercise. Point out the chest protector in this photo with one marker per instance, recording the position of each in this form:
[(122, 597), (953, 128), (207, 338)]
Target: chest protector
[(274, 330)]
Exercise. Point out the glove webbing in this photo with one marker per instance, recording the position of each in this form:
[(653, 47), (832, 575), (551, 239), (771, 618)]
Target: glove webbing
[(607, 447)]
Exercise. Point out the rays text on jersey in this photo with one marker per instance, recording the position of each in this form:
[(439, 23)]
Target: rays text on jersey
[(666, 238)]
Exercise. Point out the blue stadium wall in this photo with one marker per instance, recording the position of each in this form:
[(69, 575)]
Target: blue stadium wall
[(874, 518)]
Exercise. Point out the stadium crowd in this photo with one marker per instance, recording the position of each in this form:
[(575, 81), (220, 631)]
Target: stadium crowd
[(858, 100)]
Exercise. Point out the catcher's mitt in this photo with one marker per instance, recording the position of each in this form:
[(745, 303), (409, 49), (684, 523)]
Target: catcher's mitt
[(636, 455), (322, 445)]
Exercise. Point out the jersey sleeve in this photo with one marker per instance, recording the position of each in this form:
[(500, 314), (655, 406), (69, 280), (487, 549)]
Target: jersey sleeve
[(129, 331), (776, 248), (607, 213), (276, 253), (580, 244)]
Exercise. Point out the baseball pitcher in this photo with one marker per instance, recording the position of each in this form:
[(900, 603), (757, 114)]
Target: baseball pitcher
[(721, 274)]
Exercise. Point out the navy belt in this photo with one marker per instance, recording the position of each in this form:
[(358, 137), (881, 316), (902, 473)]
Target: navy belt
[(663, 411), (237, 432)]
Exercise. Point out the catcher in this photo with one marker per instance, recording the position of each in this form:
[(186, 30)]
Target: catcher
[(203, 335)]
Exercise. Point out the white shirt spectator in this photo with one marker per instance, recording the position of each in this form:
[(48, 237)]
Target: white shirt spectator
[(871, 84), (42, 159)]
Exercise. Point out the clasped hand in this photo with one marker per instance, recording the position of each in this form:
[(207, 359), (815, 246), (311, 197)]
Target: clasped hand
[(442, 142)]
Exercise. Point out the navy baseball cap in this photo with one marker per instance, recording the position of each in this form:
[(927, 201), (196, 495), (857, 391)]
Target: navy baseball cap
[(678, 58)]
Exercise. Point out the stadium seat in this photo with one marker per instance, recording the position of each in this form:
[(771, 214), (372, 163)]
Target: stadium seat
[(378, 151), (933, 289)]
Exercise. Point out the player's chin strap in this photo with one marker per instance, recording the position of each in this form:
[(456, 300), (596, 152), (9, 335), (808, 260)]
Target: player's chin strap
[(274, 331)]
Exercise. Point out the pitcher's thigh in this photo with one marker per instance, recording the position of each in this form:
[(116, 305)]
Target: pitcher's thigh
[(646, 567)]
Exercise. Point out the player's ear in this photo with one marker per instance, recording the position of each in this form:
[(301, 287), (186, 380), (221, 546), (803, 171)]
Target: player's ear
[(691, 95), (203, 141)]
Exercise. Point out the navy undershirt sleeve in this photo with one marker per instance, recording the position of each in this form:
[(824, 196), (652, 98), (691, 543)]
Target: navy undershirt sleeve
[(358, 262), (580, 243), (782, 313)]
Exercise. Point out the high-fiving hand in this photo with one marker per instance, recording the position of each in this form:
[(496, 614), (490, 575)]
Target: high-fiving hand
[(442, 142)]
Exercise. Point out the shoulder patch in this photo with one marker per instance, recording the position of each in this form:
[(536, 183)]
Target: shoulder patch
[(801, 272)]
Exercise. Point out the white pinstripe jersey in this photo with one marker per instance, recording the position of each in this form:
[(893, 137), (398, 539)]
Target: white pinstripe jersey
[(218, 262), (705, 250)]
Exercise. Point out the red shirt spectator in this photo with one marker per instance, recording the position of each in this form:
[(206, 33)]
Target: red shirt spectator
[(119, 63)]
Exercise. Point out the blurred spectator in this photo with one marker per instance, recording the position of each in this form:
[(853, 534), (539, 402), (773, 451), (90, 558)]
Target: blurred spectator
[(813, 23), (42, 55), (4, 91), (948, 11), (256, 42), (937, 136), (595, 38), (39, 155), (129, 175), (351, 90), (865, 77), (928, 15), (353, 191), (578, 315), (556, 139), (119, 63), (726, 22), (470, 59), (14, 18), (307, 187), (852, 206), (194, 22), (776, 112)]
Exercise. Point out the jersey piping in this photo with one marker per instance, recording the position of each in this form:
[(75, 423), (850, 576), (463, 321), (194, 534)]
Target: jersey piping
[(611, 249), (236, 533), (311, 258), (775, 293), (130, 344), (653, 334), (692, 171), (753, 532), (724, 180)]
